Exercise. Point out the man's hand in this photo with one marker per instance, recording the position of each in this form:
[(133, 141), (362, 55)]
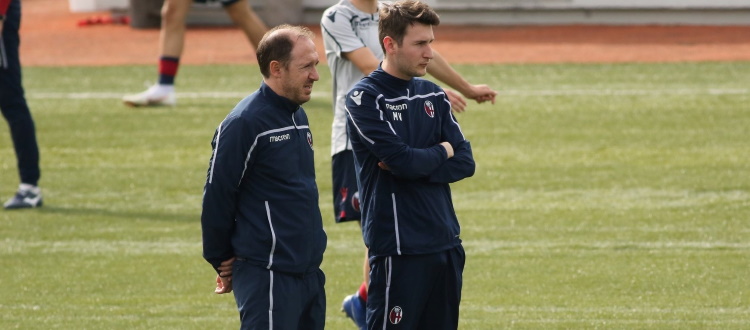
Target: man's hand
[(225, 269), (458, 104), (480, 93), (224, 279), (223, 285), (448, 148)]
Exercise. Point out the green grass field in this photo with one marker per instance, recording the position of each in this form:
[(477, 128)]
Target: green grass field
[(605, 197)]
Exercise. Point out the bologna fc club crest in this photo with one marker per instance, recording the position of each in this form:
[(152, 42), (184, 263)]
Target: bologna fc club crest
[(355, 201), (309, 139), (396, 313), (429, 109)]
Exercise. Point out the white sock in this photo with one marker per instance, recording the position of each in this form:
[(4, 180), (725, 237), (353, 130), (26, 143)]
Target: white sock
[(163, 89), (24, 187)]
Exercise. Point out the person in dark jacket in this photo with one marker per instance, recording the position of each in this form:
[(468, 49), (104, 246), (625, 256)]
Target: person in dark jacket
[(408, 147), (262, 227), (16, 111), (350, 36)]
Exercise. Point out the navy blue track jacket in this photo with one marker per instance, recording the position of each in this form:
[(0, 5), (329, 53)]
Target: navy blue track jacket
[(260, 201), (407, 209)]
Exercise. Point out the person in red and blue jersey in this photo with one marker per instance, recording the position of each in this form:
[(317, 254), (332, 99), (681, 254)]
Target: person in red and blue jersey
[(16, 110), (261, 223), (408, 148)]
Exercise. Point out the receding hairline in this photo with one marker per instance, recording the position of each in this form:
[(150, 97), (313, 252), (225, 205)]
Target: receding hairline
[(291, 32)]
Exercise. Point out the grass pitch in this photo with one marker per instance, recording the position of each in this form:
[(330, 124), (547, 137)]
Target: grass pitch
[(606, 196)]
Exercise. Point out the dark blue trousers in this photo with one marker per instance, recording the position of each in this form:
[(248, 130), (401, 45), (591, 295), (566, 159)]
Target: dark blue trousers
[(12, 100), (416, 292), (278, 301)]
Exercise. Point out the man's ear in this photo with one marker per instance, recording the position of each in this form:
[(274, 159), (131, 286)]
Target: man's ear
[(389, 44), (275, 68)]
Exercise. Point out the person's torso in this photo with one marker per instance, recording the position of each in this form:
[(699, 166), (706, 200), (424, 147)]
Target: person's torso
[(346, 28), (403, 216), (278, 224)]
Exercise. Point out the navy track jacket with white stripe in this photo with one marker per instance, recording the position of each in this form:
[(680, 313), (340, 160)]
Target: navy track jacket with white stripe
[(260, 201), (407, 209)]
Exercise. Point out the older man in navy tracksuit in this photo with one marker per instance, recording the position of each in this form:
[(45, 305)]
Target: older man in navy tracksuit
[(260, 204)]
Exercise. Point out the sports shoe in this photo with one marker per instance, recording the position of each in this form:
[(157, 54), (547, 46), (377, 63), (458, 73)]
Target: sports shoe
[(154, 96), (25, 198), (354, 308)]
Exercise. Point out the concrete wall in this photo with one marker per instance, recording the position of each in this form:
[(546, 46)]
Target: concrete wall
[(96, 5), (576, 4), (273, 12), (617, 12), (519, 12)]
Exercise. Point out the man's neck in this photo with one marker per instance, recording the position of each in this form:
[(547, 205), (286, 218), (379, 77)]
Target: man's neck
[(275, 86), (367, 6), (393, 70)]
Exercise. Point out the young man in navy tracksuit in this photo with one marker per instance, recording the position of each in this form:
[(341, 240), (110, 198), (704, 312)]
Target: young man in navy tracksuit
[(408, 147), (350, 37), (262, 228)]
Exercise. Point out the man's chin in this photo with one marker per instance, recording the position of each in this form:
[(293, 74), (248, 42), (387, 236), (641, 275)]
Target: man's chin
[(420, 73), (304, 98)]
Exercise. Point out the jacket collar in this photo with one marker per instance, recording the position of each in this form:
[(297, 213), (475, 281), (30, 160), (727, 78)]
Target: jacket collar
[(388, 79), (278, 100)]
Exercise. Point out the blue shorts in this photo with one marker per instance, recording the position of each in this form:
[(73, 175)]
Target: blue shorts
[(223, 2), (345, 190), (416, 291), (274, 300)]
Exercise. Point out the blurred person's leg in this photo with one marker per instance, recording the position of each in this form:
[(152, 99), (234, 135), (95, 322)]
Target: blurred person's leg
[(171, 44), (246, 19), (16, 112)]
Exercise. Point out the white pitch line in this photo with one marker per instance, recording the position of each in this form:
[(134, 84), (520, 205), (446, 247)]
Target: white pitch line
[(129, 247), (509, 92), (608, 309), (716, 311), (603, 321), (95, 247), (625, 92), (113, 95), (483, 245)]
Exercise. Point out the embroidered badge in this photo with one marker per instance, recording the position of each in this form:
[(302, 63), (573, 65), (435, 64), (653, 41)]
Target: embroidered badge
[(395, 315), (429, 109), (355, 201)]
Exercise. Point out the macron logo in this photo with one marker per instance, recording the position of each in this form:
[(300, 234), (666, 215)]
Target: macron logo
[(357, 97), (278, 138)]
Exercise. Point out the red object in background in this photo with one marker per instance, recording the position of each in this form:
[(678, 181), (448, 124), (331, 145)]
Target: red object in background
[(98, 20)]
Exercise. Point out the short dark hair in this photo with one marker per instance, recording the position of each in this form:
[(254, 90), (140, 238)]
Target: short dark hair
[(396, 16), (277, 45)]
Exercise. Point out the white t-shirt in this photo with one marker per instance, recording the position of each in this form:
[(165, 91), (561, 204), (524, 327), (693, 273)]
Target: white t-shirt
[(346, 28)]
